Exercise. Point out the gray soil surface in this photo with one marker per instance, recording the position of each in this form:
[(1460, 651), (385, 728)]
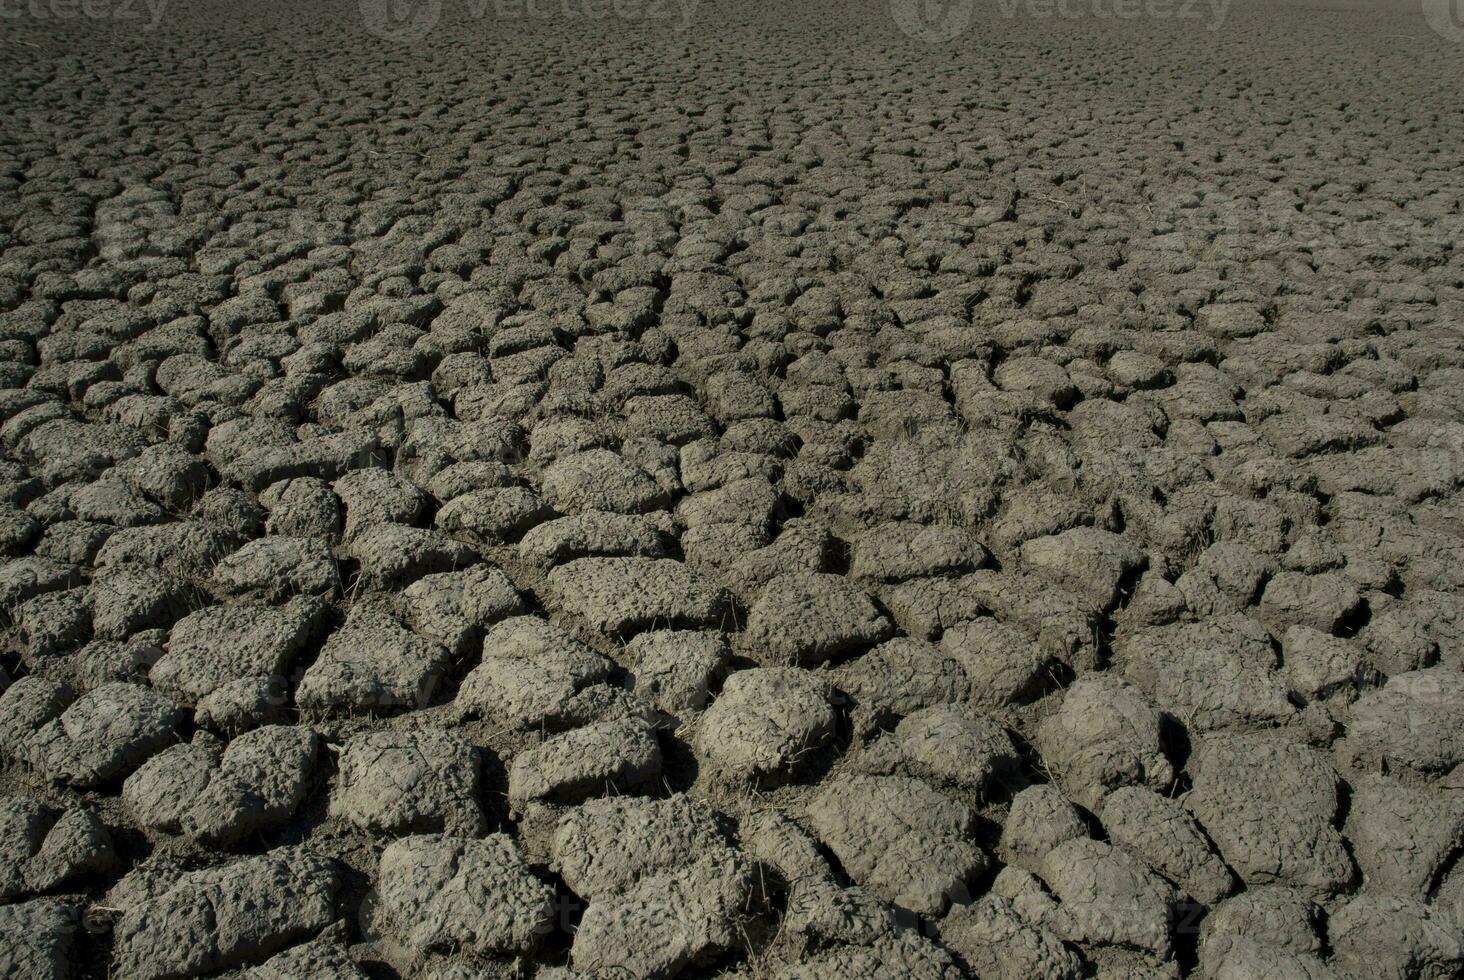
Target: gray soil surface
[(751, 490)]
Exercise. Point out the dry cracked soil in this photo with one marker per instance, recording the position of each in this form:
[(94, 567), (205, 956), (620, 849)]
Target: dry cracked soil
[(730, 490)]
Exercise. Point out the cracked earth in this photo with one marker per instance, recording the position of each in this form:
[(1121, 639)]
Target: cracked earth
[(736, 493)]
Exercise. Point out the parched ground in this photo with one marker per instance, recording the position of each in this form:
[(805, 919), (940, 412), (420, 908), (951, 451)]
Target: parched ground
[(730, 490)]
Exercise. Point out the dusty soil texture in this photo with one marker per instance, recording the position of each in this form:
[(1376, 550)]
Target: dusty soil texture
[(740, 491)]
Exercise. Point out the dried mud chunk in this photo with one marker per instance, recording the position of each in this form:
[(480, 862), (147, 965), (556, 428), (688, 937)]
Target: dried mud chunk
[(926, 608), (900, 954), (1001, 663), (562, 436), (1271, 916), (26, 578), (260, 782), (166, 474), (43, 848), (1322, 602), (1299, 435), (235, 707), (593, 534), (460, 478), (672, 419), (1109, 898), (1042, 378), (1269, 806), (1230, 321), (802, 546), (899, 838), (409, 782), (763, 722), (1226, 578), (899, 551), (1213, 674), (221, 644), (901, 676), (708, 465), (377, 496), (959, 746), (1241, 958), (373, 663), (219, 918), (1316, 665), (63, 449), (458, 894), (107, 501), (73, 542), (276, 569), (1105, 735), (1415, 720), (488, 596), (318, 960), (162, 789), (1166, 838), (395, 555), (933, 477), (775, 840), (1399, 640), (27, 705), (824, 912), (24, 824), (665, 921), (188, 549), (733, 396), (326, 458), (751, 503), (1134, 369), (1063, 629), (531, 675), (77, 845), (489, 517), (625, 596), (54, 623), (1039, 820), (1401, 836), (1086, 561), (125, 599), (105, 734), (808, 618), (997, 942), (1394, 939), (607, 845), (675, 669), (619, 756), (304, 507), (452, 607), (39, 939), (231, 509), (601, 480)]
